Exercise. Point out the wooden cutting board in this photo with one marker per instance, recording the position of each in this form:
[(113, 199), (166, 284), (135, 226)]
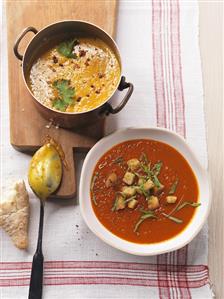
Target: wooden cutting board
[(27, 126)]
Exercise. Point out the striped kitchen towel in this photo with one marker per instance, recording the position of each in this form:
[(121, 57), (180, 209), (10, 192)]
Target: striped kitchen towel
[(159, 46)]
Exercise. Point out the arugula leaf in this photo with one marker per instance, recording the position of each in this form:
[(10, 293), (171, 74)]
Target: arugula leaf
[(116, 200), (92, 187), (94, 180), (188, 203), (146, 169), (65, 48), (146, 211), (146, 215), (144, 158), (141, 188), (153, 173), (130, 199), (66, 94), (177, 220), (173, 187), (94, 199), (114, 205), (156, 181), (157, 167)]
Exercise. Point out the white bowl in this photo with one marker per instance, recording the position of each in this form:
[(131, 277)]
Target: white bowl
[(179, 144)]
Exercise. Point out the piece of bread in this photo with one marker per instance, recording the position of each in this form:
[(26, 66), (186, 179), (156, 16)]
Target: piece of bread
[(14, 215)]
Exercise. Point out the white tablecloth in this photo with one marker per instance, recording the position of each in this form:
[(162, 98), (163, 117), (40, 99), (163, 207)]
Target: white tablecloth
[(160, 52)]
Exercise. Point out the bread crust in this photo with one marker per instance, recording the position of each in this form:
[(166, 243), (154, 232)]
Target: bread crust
[(14, 215)]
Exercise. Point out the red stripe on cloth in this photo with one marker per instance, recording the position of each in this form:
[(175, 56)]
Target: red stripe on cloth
[(109, 280), (101, 272), (96, 273), (175, 99), (103, 265)]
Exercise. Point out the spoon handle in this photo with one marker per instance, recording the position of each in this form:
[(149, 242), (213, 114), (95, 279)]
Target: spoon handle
[(36, 279)]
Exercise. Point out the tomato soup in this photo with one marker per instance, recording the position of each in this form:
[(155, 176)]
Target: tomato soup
[(144, 191)]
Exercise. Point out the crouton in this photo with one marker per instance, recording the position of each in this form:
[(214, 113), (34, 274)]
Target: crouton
[(120, 202), (148, 185), (111, 180), (171, 199), (129, 191), (133, 164), (129, 178), (132, 203), (153, 203), (141, 181)]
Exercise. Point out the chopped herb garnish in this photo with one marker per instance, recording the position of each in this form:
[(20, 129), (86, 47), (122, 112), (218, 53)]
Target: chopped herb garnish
[(59, 104), (138, 175), (114, 208), (156, 181), (114, 205), (157, 167), (145, 168), (188, 203), (173, 188), (92, 187), (66, 48), (141, 188), (130, 198), (146, 215), (144, 158), (176, 220), (146, 211), (177, 205), (94, 199), (93, 181), (66, 94), (153, 173)]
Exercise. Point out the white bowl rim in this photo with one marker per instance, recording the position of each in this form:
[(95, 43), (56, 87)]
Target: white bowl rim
[(125, 248)]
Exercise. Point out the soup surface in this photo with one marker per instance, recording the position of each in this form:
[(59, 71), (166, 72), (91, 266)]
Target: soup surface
[(76, 75), (144, 191)]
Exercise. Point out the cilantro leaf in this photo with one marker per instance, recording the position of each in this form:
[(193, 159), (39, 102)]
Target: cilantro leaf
[(65, 91), (59, 105), (65, 48), (66, 94)]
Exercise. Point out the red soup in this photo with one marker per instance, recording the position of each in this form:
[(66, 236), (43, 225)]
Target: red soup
[(144, 191)]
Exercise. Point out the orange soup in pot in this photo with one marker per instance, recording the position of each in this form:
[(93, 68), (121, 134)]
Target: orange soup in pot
[(76, 75)]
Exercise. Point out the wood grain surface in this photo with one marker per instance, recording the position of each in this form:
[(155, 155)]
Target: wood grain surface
[(27, 127), (211, 42)]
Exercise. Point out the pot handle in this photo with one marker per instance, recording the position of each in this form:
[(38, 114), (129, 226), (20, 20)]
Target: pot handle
[(16, 45), (123, 85)]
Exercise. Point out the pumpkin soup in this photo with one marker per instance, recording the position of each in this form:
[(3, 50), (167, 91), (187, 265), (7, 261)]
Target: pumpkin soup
[(76, 75)]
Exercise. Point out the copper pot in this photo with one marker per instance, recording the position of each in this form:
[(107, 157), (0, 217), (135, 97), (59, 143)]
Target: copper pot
[(45, 39)]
